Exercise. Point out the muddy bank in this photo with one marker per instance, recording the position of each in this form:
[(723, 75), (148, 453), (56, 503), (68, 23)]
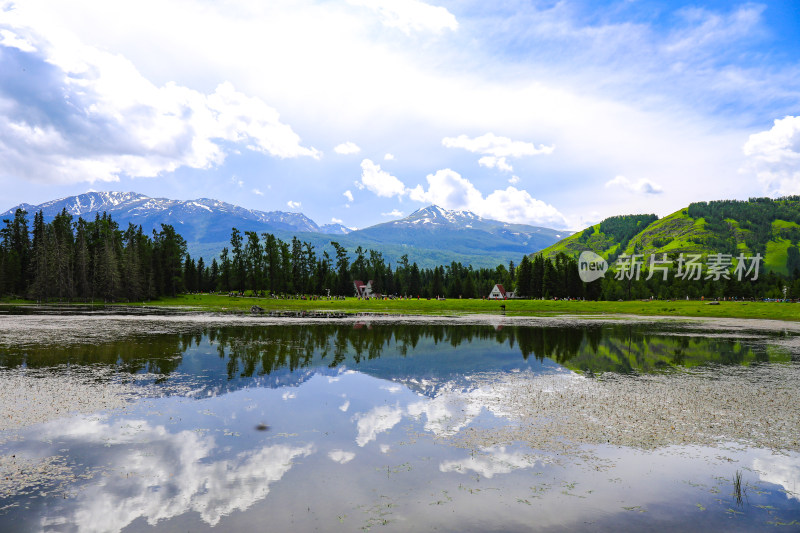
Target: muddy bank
[(756, 406), (30, 397)]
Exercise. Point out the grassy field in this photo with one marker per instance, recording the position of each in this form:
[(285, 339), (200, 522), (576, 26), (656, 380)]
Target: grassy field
[(678, 308)]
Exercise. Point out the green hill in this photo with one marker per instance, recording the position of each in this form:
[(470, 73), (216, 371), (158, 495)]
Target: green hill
[(767, 226)]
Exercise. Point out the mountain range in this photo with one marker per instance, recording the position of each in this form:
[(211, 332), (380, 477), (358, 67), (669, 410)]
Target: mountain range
[(430, 236), (201, 220)]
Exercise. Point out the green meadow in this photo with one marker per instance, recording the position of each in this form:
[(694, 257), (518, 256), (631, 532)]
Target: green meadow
[(678, 308)]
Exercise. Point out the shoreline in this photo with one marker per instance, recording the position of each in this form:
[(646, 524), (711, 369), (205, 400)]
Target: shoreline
[(338, 308), (33, 329)]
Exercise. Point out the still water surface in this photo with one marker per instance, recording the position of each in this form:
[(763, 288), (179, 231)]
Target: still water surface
[(349, 426)]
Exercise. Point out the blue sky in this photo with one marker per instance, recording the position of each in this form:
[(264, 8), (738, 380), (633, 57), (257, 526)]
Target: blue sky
[(359, 111)]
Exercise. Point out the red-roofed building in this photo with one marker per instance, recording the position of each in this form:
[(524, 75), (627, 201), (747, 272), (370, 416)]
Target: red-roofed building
[(498, 293), (363, 290)]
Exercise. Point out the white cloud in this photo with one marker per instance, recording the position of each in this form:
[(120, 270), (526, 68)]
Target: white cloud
[(774, 156), (393, 213), (665, 108), (410, 15), (12, 40), (347, 148), (379, 181), (450, 190), (104, 119), (705, 30), (493, 145), (642, 186), (500, 163), (346, 405), (292, 204), (514, 205), (513, 180), (388, 157), (336, 220), (258, 192), (341, 456), (496, 150), (349, 195)]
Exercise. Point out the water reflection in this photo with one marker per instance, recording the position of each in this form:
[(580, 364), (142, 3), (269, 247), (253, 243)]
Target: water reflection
[(248, 352), (491, 461), (780, 470), (371, 426), (160, 474), (183, 464)]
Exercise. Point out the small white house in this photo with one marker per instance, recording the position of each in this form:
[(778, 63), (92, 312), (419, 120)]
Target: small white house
[(498, 293)]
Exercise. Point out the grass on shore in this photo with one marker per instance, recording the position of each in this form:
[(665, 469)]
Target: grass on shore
[(679, 308)]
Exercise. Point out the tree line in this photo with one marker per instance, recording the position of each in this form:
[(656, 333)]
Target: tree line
[(83, 260), (68, 259), (264, 263)]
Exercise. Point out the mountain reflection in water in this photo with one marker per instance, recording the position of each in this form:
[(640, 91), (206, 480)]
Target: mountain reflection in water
[(369, 425), (393, 351)]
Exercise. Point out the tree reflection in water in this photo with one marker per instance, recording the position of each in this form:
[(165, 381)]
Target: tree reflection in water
[(250, 351)]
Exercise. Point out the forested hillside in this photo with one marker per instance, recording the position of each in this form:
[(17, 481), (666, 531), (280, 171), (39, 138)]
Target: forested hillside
[(766, 226), (79, 260)]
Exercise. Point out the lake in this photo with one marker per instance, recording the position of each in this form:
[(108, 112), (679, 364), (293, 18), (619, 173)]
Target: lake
[(142, 422)]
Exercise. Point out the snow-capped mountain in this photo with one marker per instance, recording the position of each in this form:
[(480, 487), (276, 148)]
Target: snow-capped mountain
[(433, 216), (200, 220), (334, 229), (430, 236), (461, 231)]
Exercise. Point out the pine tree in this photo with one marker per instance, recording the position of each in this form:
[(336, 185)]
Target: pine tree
[(169, 248), (273, 262), (132, 266), (344, 285), (224, 283), (237, 266), (524, 278), (201, 282), (537, 277), (254, 259), (81, 270), (213, 278), (40, 284), (189, 274), (415, 281)]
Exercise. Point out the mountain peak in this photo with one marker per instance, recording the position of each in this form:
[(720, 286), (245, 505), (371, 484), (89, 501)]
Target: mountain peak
[(202, 219), (430, 236), (433, 214)]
